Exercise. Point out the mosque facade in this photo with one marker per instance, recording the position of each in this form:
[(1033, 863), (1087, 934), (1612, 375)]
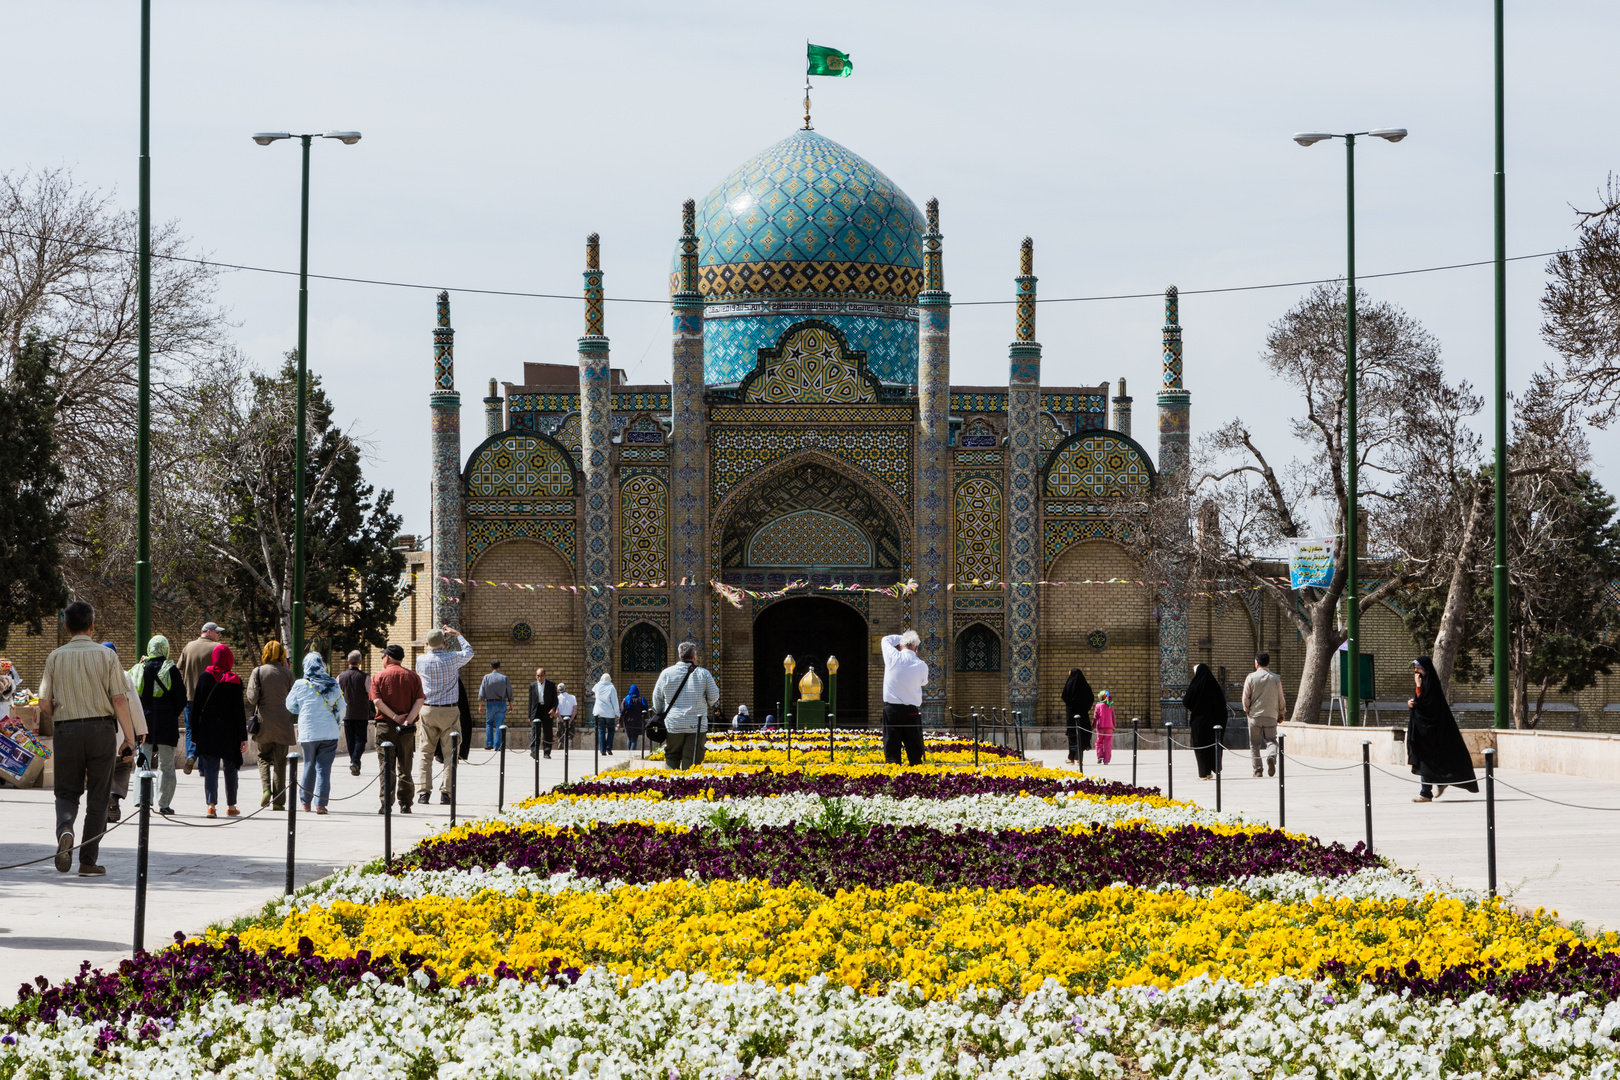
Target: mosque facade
[(810, 478)]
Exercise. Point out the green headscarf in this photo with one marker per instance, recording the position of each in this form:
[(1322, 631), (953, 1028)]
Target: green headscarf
[(158, 646)]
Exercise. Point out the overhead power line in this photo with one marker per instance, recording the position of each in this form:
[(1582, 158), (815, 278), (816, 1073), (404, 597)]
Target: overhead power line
[(665, 300)]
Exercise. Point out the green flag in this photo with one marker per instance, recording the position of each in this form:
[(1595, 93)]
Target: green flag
[(825, 61)]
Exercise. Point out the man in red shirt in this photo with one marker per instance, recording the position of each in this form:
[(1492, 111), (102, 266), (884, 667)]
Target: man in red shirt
[(397, 693)]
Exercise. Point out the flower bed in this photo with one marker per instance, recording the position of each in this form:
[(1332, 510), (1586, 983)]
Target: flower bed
[(767, 919)]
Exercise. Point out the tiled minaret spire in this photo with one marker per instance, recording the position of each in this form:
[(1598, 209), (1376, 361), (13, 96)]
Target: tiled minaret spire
[(449, 522), (688, 461), (1023, 481), (493, 423), (1174, 402), (1122, 411), (932, 546), (595, 431)]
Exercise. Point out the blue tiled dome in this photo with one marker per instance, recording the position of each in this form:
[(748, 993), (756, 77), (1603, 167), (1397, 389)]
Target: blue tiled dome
[(806, 228), (807, 217)]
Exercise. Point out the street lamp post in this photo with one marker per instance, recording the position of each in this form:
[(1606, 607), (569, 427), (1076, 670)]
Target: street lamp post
[(1352, 620), (143, 362), (265, 138)]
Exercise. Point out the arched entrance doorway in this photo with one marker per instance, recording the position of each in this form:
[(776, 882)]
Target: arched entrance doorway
[(810, 628)]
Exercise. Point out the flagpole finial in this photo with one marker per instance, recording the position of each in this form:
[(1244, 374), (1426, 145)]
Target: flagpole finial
[(807, 104)]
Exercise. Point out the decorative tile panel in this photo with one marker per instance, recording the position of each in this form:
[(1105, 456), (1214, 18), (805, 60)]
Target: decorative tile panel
[(812, 365), (978, 532), (643, 528), (518, 466), (810, 538), (1098, 465), (736, 454), (483, 534)]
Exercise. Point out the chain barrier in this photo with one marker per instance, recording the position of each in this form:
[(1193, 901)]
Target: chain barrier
[(119, 824)]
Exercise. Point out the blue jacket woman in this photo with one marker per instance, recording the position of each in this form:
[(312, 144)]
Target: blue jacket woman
[(318, 703)]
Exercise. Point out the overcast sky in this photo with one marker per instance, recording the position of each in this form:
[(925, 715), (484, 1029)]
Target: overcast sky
[(1140, 144)]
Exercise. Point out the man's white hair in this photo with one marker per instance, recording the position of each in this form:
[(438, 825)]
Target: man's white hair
[(910, 638)]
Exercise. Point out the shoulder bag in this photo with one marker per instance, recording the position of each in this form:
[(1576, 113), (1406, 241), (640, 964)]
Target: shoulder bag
[(656, 731)]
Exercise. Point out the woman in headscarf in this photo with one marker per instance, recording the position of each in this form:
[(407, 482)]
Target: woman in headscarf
[(162, 689), (634, 716), (273, 731), (1434, 747), (605, 711), (1077, 702), (317, 701), (1206, 710), (739, 722), (219, 726)]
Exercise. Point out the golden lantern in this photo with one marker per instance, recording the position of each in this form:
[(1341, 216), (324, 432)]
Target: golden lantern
[(810, 685)]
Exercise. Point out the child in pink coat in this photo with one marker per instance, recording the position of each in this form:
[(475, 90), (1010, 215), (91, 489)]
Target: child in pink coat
[(1102, 722)]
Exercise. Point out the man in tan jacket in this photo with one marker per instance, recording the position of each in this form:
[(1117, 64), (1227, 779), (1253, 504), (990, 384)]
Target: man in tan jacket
[(1265, 704)]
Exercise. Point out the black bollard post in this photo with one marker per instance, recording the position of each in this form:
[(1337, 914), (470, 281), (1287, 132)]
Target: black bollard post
[(1169, 762), (1490, 820), (1136, 745), (387, 749), (975, 736), (534, 752), (788, 720), (832, 726), (568, 742), (1282, 791), (1219, 731), (294, 759), (596, 744), (500, 795), (1079, 762), (455, 756), (141, 850), (1366, 787)]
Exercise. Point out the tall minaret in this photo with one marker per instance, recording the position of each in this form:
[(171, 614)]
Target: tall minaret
[(1122, 411), (1023, 501), (595, 433), (932, 547), (689, 518), (1174, 404), (493, 423), (449, 521)]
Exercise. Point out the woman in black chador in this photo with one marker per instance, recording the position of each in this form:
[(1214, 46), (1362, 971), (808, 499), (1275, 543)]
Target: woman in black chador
[(1077, 702), (1434, 746), (1206, 710)]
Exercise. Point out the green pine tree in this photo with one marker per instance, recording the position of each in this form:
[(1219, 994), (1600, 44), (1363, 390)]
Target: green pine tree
[(31, 585)]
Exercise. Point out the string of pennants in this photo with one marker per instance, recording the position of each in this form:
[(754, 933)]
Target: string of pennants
[(735, 594)]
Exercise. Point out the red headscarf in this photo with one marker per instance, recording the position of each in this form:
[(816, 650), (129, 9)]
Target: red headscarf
[(221, 663)]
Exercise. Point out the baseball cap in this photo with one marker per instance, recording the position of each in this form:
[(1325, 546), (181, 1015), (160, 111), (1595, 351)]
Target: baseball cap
[(210, 628), (395, 652)]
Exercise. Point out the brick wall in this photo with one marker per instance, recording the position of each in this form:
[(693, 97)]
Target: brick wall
[(553, 617), (1128, 664)]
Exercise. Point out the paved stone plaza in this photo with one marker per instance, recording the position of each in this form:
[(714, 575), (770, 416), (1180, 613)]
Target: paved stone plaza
[(1548, 855)]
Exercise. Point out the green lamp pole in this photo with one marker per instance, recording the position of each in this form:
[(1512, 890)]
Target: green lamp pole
[(1352, 609), (1499, 573), (143, 331), (265, 138)]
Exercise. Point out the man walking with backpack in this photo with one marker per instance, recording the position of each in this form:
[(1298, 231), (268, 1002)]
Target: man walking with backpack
[(682, 697)]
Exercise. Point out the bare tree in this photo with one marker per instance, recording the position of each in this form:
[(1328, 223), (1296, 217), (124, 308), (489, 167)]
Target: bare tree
[(68, 272), (1260, 504), (1581, 309)]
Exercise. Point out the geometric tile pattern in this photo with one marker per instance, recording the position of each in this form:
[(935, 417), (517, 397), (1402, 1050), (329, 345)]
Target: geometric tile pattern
[(689, 509), (811, 366), (645, 651), (829, 414), (1058, 534), (831, 491), (593, 427), (739, 453), (520, 466), (1096, 404), (1052, 432), (978, 649), (933, 482), (1099, 465), (808, 199), (978, 532), (643, 528), (504, 508), (810, 538), (990, 403), (1024, 454), (447, 509), (732, 344), (483, 534)]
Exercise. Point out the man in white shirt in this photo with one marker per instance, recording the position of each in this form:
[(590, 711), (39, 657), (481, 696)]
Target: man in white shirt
[(567, 705), (904, 675)]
